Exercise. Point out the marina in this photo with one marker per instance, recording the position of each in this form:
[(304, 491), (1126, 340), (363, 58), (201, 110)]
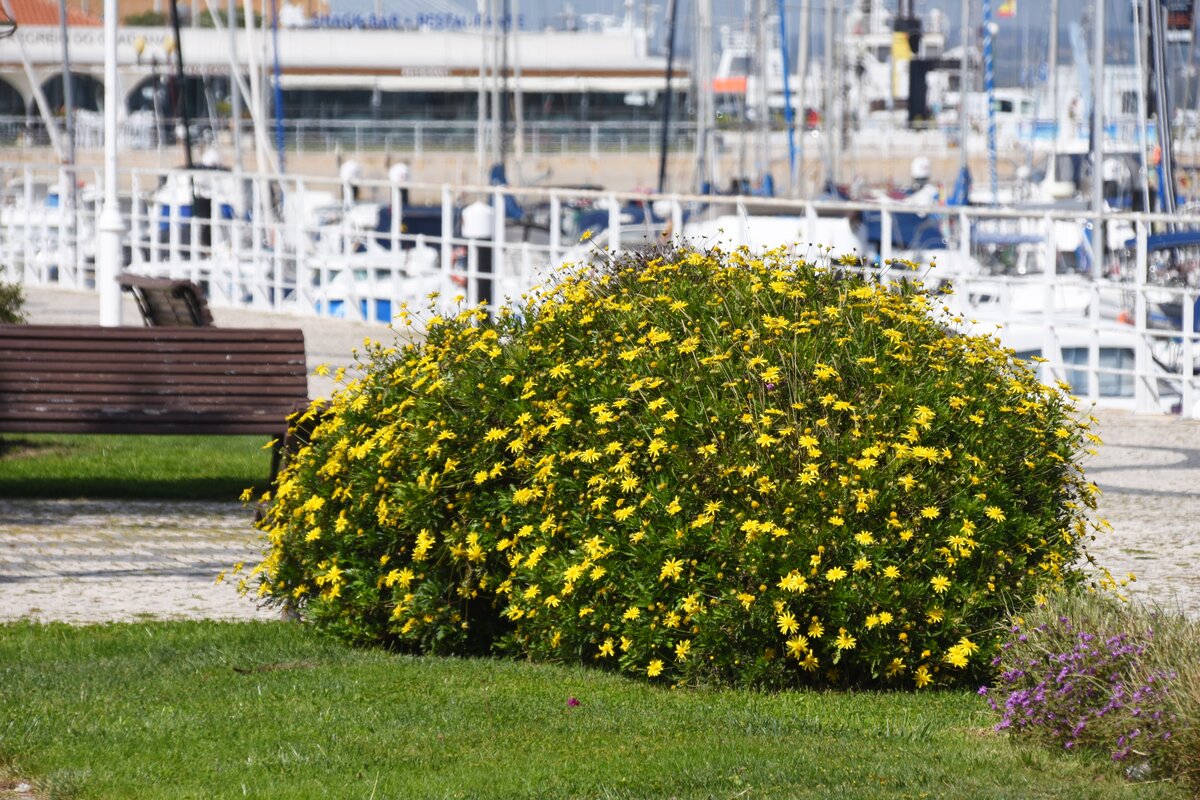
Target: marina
[(352, 248), (1057, 218)]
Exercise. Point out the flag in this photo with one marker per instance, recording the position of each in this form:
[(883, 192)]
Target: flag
[(1007, 8)]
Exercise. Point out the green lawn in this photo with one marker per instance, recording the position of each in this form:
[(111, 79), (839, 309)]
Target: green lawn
[(212, 710), (142, 467), (205, 710)]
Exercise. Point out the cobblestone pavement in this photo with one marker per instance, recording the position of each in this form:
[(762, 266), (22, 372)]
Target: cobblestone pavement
[(83, 561), (1148, 470), (98, 561)]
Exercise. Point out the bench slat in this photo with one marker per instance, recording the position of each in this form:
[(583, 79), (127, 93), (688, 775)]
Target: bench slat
[(119, 395), (126, 344), (237, 427), (29, 333), (148, 372), (113, 411), (186, 384), (103, 357)]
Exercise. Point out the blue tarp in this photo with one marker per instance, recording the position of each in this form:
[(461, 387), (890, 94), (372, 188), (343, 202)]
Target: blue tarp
[(1169, 241), (961, 194), (497, 177)]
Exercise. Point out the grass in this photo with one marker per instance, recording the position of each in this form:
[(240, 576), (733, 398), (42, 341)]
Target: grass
[(142, 467), (211, 710), (205, 709)]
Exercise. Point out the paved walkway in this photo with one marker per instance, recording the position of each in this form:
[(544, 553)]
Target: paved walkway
[(96, 561), (1149, 472)]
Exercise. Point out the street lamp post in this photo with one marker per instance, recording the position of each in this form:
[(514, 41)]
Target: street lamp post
[(110, 226)]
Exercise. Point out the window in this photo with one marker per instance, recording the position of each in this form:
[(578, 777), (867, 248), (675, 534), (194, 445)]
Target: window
[(739, 65), (1116, 369), (1110, 383)]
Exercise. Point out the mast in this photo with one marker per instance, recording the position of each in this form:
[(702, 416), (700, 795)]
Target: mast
[(827, 114), (789, 114), (1052, 57), (963, 73), (1140, 57), (1166, 164), (518, 92), (496, 120), (180, 94), (704, 93), (1098, 141), (481, 96), (672, 9), (762, 110), (802, 78), (262, 145), (68, 86), (109, 227), (235, 92), (502, 57), (989, 86), (275, 68), (69, 111)]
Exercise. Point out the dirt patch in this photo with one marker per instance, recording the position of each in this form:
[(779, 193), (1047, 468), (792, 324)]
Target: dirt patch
[(15, 449), (19, 789)]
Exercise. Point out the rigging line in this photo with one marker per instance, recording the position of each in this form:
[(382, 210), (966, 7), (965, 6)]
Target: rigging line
[(262, 143), (38, 95)]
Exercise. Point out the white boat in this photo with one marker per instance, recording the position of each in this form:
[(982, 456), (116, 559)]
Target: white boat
[(1064, 352), (40, 229)]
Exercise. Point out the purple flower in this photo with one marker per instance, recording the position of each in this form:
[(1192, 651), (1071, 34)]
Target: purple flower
[(572, 702)]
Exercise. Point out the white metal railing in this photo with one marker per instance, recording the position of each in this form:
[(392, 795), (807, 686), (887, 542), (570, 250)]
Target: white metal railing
[(1122, 332), (547, 137), (143, 131)]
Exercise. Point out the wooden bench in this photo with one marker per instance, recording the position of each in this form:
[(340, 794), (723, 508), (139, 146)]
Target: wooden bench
[(89, 379), (166, 302)]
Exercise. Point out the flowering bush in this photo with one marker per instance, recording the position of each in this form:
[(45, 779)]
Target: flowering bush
[(699, 467), (1088, 673)]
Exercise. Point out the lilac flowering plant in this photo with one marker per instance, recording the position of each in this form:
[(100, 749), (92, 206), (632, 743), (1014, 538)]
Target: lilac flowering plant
[(1090, 673)]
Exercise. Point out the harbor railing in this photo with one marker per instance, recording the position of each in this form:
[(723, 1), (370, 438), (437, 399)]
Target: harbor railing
[(533, 138), (1116, 323)]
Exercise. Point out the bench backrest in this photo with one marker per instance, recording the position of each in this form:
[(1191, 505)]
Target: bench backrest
[(88, 379), (167, 302)]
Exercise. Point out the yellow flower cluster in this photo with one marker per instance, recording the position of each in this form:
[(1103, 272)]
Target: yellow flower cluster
[(688, 467)]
